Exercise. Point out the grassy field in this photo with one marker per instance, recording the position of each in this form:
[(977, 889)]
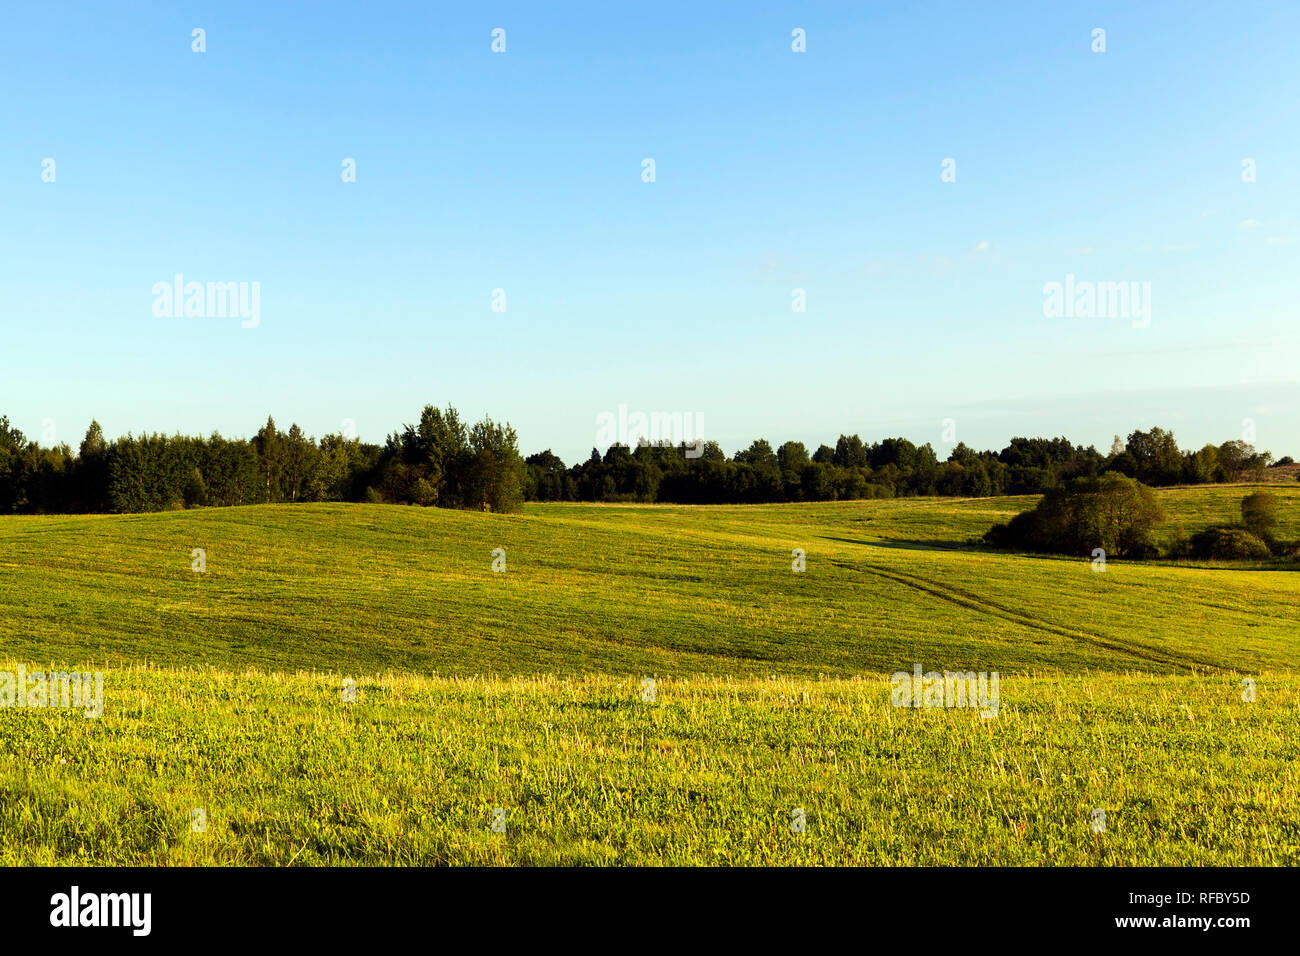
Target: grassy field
[(585, 771), (522, 690)]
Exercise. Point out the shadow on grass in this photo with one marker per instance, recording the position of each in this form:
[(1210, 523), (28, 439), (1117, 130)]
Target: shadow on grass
[(1277, 563), (914, 544)]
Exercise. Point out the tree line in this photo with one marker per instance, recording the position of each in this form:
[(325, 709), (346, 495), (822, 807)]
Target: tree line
[(894, 467), (441, 460)]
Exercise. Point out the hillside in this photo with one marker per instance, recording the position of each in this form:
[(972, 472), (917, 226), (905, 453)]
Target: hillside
[(627, 589)]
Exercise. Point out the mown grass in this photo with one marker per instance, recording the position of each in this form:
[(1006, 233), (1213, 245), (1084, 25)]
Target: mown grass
[(522, 690), (624, 589)]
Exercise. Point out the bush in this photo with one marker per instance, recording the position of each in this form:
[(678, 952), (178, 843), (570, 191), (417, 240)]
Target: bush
[(1180, 546), (423, 493), (1227, 544), (1259, 514), (1112, 512)]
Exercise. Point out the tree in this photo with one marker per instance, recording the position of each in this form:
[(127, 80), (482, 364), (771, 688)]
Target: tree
[(758, 453), (12, 468), (711, 451), (547, 479), (1201, 466), (850, 452), (93, 443), (1257, 463), (1259, 514), (1112, 512), (816, 482), (1159, 462), (792, 458), (299, 456), (495, 478), (977, 483), (269, 445), (963, 454), (196, 492), (1234, 457), (443, 444), (90, 472)]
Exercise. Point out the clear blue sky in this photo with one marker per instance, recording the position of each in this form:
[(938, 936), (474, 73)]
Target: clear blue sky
[(775, 171)]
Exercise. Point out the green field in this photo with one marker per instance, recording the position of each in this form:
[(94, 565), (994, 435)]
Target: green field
[(522, 690)]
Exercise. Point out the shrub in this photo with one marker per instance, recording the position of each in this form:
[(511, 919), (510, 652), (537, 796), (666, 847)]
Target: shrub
[(1259, 514), (1180, 545), (1228, 543), (1112, 512), (423, 493)]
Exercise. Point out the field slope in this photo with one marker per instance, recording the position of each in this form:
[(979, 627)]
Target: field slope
[(610, 589)]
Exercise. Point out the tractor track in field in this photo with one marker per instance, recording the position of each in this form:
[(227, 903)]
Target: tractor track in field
[(975, 602)]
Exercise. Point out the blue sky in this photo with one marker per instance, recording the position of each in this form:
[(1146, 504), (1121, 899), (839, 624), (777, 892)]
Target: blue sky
[(775, 170)]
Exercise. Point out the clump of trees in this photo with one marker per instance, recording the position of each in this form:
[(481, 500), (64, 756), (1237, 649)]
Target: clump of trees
[(1118, 515), (1112, 512), (440, 461)]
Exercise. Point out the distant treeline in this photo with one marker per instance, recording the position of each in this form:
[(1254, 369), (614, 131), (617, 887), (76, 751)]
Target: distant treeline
[(443, 461), (887, 469), (440, 461)]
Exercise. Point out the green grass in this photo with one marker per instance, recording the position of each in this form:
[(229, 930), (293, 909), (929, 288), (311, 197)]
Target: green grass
[(586, 772), (624, 589), (521, 690)]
